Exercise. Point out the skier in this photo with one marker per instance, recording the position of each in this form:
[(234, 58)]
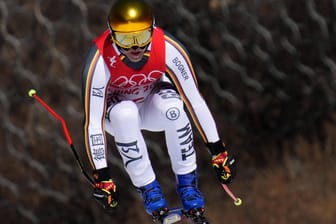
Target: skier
[(138, 77)]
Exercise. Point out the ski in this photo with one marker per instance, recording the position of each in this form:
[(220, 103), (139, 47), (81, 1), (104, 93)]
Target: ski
[(175, 215), (196, 216)]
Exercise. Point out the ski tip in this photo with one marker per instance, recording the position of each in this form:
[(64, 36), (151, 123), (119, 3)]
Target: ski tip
[(172, 218), (31, 92)]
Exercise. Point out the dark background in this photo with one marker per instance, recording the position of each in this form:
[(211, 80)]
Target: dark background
[(266, 68)]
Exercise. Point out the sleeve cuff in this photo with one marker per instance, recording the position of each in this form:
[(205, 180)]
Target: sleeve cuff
[(216, 147), (101, 174)]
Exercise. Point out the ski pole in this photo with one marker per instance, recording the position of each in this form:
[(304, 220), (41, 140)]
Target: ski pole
[(32, 93), (237, 201)]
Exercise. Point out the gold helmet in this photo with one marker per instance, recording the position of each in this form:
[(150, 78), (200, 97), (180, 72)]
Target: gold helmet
[(131, 23)]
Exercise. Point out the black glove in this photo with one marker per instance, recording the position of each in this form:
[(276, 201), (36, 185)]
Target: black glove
[(105, 190), (223, 164)]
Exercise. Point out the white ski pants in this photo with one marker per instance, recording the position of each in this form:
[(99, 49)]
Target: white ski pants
[(161, 111)]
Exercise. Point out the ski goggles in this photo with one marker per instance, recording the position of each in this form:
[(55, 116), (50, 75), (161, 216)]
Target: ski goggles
[(131, 39)]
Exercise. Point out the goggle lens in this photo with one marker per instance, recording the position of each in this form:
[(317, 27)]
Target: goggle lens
[(128, 40)]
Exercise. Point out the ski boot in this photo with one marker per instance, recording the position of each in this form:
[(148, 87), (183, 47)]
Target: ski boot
[(192, 199), (153, 200)]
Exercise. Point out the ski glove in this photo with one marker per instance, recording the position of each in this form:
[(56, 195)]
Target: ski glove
[(105, 190), (223, 164)]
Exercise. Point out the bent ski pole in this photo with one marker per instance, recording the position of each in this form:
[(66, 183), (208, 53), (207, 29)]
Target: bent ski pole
[(237, 201), (32, 93)]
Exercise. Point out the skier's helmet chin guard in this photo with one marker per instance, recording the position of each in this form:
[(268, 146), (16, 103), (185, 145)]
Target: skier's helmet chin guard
[(131, 23)]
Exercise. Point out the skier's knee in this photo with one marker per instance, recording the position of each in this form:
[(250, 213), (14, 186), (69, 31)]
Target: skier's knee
[(125, 112)]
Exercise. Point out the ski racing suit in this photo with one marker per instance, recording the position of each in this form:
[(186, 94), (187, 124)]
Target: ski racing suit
[(123, 100)]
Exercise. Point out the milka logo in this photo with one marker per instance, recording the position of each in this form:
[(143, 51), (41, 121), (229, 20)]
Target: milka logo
[(112, 61), (124, 81)]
